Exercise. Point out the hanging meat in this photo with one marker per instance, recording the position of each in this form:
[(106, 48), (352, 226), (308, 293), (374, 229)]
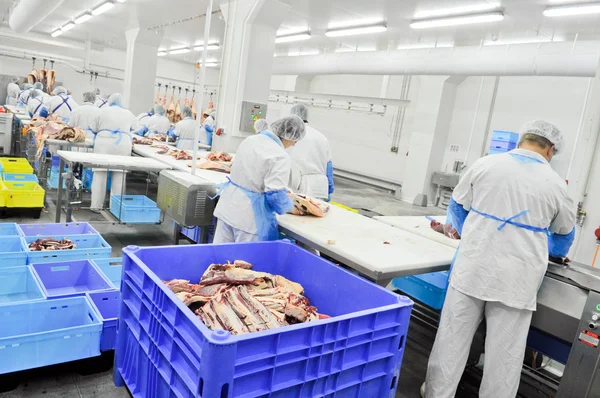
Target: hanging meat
[(164, 100), (171, 108), (32, 77), (187, 100), (43, 75), (51, 80), (177, 117), (307, 206), (193, 105), (158, 97)]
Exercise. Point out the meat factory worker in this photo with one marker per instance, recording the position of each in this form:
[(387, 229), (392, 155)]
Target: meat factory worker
[(311, 158), (39, 88), (85, 116), (257, 188), (113, 136), (35, 103), (511, 211), (261, 125), (23, 98), (157, 123), (61, 103), (100, 102), (185, 130), (12, 92), (141, 119), (209, 125)]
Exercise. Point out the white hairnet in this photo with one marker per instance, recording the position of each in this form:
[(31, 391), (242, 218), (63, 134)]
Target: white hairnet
[(300, 110), (59, 90), (89, 97), (159, 110), (289, 128), (35, 94), (28, 86), (186, 111), (14, 80), (38, 86), (261, 125), (545, 129), (115, 99)]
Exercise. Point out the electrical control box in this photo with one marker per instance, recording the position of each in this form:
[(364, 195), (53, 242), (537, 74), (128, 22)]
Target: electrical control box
[(251, 112)]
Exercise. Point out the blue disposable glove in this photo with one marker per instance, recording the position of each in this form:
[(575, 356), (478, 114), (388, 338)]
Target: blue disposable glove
[(456, 215), (330, 178), (209, 128), (142, 131), (279, 201), (171, 133), (559, 245)]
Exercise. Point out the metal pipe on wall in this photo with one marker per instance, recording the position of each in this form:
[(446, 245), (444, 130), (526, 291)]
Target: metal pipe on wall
[(474, 121)]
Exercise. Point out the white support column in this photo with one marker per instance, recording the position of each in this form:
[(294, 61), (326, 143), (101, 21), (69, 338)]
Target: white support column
[(251, 27), (140, 68)]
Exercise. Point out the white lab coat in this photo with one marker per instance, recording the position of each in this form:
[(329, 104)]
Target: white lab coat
[(101, 102), (140, 121), (497, 273), (158, 124), (310, 156), (45, 97), (12, 93), (35, 106), (85, 118), (185, 131), (62, 105), (260, 165), (23, 98), (108, 121)]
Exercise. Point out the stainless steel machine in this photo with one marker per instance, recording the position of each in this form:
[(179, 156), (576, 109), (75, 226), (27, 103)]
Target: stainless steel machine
[(187, 200)]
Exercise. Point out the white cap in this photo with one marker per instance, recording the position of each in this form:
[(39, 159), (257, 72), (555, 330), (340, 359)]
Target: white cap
[(546, 130)]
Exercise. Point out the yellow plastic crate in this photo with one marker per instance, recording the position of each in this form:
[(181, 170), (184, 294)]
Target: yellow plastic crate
[(344, 207), (16, 165), (22, 194)]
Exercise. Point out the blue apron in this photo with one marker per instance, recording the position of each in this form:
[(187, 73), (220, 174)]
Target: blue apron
[(112, 132), (38, 107)]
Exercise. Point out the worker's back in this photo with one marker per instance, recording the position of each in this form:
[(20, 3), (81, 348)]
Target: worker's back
[(62, 105), (158, 124), (84, 117), (504, 262), (113, 131), (310, 156), (185, 131)]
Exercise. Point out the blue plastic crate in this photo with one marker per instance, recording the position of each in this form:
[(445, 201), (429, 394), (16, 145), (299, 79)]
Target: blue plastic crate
[(70, 278), (507, 136), (164, 350), (73, 228), (195, 233), (9, 229), (427, 288), (106, 305), (19, 284), (134, 209), (112, 268), (48, 332), (54, 177), (13, 177), (89, 247), (496, 151), (87, 178), (12, 252), (502, 146)]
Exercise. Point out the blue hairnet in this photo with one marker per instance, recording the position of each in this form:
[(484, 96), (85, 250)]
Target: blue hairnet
[(59, 90), (300, 110), (289, 128), (261, 125), (186, 111), (115, 99), (159, 110), (44, 112), (89, 97), (38, 86)]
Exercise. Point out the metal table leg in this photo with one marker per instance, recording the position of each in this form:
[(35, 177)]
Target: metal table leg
[(204, 234), (176, 232), (59, 191)]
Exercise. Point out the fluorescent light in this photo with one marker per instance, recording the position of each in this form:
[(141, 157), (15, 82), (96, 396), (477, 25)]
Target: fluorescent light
[(460, 20), (420, 46), (456, 10), (107, 5), (355, 22), (179, 51), (301, 53), (82, 18), (211, 64), (211, 46), (575, 9), (292, 37), (121, 1), (67, 27), (162, 53), (354, 49), (531, 40), (56, 33), (357, 30)]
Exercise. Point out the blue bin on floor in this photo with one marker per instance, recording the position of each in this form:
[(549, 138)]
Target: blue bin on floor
[(506, 136), (48, 332), (112, 268), (71, 228), (13, 177), (70, 278), (427, 288), (89, 247), (12, 252), (356, 352), (9, 229), (18, 284), (134, 209), (195, 233), (106, 305)]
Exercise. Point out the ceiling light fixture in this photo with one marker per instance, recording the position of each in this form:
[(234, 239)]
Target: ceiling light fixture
[(458, 20), (211, 46), (533, 40), (211, 64), (82, 18), (107, 5), (67, 27), (356, 30), (456, 10), (301, 53), (421, 46), (56, 33), (287, 38), (179, 51), (121, 1), (573, 9), (162, 53)]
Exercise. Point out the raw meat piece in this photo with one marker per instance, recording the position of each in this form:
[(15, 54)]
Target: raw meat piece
[(280, 281), (226, 316), (305, 205), (253, 322), (254, 305), (142, 141), (214, 166), (51, 80), (233, 276), (445, 229), (179, 285), (219, 157), (52, 244)]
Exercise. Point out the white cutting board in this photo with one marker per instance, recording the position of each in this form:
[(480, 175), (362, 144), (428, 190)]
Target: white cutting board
[(420, 225), (362, 240)]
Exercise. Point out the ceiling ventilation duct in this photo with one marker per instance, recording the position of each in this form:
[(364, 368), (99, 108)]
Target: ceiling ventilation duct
[(29, 13)]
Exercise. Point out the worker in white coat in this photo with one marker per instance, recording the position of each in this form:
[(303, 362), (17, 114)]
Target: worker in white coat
[(311, 158), (142, 119), (101, 102), (85, 116), (12, 92), (185, 131), (511, 210), (61, 103), (23, 98), (113, 136), (210, 116), (39, 88), (157, 123), (257, 188), (35, 104)]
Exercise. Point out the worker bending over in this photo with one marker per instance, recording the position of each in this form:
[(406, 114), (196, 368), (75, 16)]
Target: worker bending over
[(258, 185), (113, 137), (23, 98), (312, 168), (511, 210), (61, 103), (141, 120), (85, 116), (157, 123), (35, 104), (39, 88), (185, 131)]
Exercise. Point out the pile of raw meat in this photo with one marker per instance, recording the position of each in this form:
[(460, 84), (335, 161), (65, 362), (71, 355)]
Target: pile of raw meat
[(307, 206), (445, 229), (214, 166), (52, 244), (232, 297), (178, 154), (219, 157), (137, 140), (52, 128)]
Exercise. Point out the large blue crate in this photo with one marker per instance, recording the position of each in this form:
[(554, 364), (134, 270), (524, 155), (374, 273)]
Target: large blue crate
[(507, 136), (19, 284), (427, 288), (164, 350), (502, 146), (13, 177), (195, 233), (12, 252), (70, 278), (9, 229), (112, 269), (89, 247), (106, 305), (72, 228), (48, 332), (134, 209)]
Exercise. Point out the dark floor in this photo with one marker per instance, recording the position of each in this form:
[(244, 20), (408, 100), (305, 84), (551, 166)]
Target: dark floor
[(65, 381)]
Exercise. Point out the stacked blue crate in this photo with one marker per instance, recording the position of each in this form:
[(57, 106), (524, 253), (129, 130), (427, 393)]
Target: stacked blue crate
[(503, 141)]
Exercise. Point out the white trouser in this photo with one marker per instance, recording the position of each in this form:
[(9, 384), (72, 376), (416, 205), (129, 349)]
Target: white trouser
[(505, 344), (225, 233), (99, 187)]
